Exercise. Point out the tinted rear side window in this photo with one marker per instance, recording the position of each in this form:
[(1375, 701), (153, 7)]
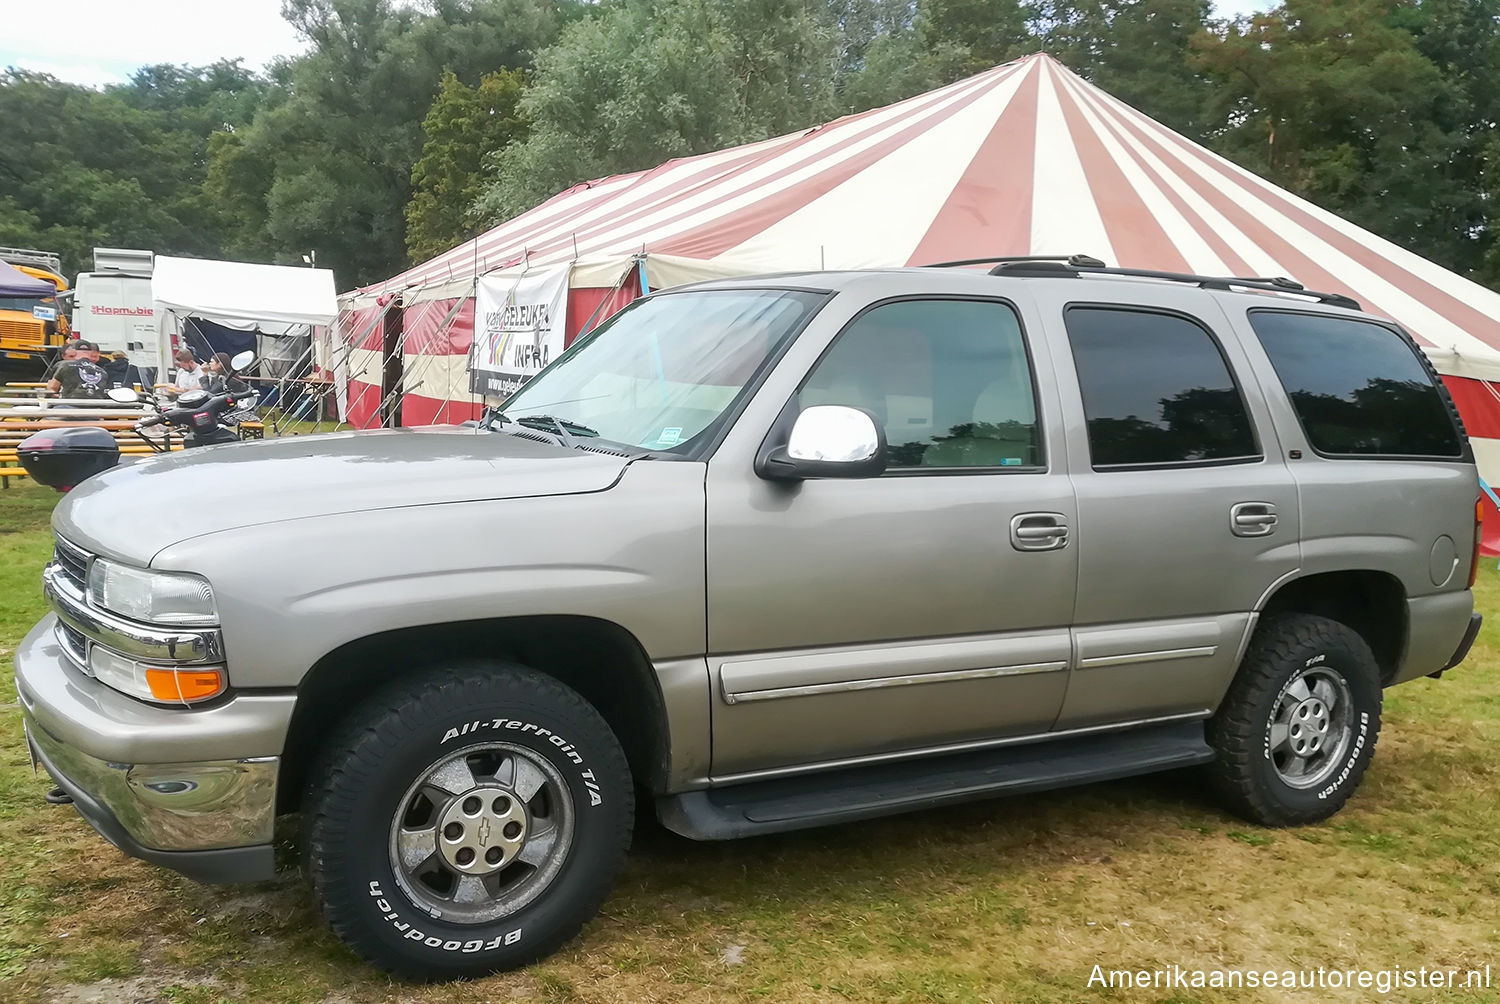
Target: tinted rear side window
[(1358, 388), (1156, 390)]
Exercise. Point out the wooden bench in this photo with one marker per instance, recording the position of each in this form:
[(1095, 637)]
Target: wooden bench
[(21, 417)]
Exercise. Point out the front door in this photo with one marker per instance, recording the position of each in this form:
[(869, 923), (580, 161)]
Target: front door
[(928, 607)]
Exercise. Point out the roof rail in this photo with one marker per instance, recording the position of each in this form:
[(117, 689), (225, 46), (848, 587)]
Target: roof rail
[(1066, 259), (1055, 267)]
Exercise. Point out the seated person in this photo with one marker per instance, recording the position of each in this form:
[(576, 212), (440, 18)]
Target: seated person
[(190, 376), (222, 379), (117, 365), (81, 377)]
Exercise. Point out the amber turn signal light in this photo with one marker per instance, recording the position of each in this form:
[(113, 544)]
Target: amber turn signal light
[(185, 685)]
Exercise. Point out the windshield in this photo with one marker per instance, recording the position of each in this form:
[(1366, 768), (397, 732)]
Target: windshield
[(661, 372), (20, 302)]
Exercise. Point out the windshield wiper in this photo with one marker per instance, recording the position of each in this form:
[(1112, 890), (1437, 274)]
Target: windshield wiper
[(563, 427), (566, 431)]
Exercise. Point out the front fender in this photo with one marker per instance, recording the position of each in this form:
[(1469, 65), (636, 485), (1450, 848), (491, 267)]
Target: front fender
[(289, 592)]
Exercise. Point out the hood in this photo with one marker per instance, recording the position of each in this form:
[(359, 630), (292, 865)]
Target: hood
[(134, 511)]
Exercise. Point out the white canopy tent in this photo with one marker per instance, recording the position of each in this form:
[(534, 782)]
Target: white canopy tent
[(273, 299)]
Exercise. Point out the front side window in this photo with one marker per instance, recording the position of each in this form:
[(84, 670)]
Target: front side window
[(1358, 388), (949, 381), (1156, 390), (662, 372)]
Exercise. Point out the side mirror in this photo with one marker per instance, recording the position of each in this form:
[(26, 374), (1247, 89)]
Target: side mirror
[(828, 441), (123, 395), (242, 361)]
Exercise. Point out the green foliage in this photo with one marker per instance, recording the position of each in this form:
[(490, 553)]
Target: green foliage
[(1137, 50), (122, 167), (1340, 104), (986, 32), (329, 161), (463, 124), (646, 81)]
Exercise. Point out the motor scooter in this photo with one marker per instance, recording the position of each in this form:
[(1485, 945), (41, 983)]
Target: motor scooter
[(61, 458)]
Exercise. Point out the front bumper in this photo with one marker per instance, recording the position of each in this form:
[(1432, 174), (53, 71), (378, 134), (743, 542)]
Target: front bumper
[(192, 789)]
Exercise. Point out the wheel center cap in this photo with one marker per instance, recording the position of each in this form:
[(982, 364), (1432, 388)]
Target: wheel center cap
[(482, 830), (1309, 726)]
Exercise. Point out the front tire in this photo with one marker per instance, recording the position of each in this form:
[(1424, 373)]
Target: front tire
[(1298, 727), (467, 822)]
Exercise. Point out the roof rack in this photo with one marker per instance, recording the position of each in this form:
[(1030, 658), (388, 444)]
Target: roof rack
[(1078, 260), (48, 260), (1077, 266)]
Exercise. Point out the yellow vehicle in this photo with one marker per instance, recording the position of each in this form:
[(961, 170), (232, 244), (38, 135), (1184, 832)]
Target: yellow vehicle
[(30, 326)]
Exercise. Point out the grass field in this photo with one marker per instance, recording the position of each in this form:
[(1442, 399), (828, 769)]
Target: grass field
[(1013, 900)]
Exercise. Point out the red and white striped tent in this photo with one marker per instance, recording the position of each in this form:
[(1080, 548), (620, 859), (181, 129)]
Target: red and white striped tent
[(1027, 158)]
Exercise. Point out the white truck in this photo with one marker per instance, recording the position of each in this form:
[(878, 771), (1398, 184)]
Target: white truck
[(112, 307)]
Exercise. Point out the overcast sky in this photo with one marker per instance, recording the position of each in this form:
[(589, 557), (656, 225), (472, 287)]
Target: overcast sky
[(101, 41)]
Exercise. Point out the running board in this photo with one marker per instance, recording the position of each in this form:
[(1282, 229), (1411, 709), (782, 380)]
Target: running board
[(885, 789)]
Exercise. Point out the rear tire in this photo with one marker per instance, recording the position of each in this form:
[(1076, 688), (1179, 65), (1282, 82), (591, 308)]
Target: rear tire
[(1298, 727), (467, 822)]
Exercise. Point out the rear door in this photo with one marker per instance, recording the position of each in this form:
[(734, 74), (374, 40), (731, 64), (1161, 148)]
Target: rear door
[(1187, 514), (1386, 479)]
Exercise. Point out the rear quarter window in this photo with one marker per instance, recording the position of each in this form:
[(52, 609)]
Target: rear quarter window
[(1358, 388)]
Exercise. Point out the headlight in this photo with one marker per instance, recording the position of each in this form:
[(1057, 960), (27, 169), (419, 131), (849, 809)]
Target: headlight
[(151, 597)]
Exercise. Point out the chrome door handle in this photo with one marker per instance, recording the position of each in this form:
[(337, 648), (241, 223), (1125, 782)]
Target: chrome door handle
[(1038, 531), (1253, 519)]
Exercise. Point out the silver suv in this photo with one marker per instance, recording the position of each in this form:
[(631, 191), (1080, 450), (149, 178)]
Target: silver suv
[(776, 552)]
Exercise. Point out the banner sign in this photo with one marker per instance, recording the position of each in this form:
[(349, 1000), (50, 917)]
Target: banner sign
[(519, 325)]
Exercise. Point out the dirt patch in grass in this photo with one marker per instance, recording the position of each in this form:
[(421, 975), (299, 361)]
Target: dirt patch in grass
[(137, 990)]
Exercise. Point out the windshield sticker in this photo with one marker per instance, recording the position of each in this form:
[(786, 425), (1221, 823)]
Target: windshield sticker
[(669, 437), (1010, 461)]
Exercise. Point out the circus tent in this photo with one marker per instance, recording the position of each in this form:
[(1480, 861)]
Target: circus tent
[(1026, 158)]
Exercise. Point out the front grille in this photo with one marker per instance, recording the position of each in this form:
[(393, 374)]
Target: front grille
[(73, 561), (20, 334), (74, 644)]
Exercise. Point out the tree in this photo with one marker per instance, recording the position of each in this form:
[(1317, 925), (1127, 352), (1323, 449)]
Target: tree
[(463, 124), (648, 80), (331, 156), (897, 66), (1461, 38), (985, 33), (1137, 50), (81, 167), (1338, 103)]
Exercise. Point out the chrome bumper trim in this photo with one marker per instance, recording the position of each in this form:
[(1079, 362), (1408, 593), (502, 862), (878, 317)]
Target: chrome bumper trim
[(155, 644), (172, 807)]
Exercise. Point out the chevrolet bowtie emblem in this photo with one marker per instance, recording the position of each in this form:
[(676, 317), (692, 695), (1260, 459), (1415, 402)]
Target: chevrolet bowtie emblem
[(484, 833)]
